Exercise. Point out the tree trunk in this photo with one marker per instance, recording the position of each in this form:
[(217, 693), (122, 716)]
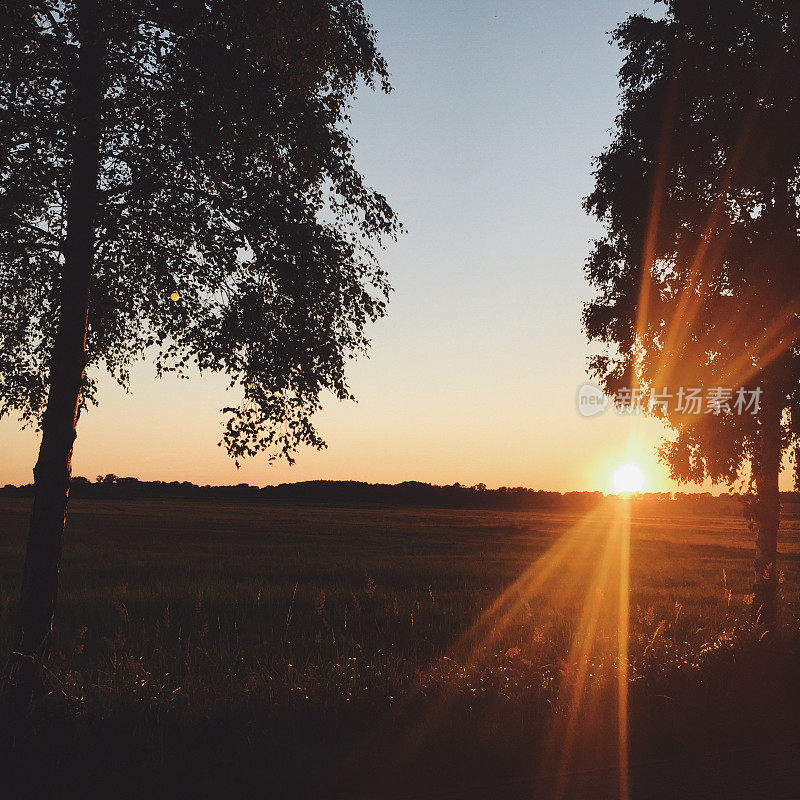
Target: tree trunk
[(54, 465), (767, 511)]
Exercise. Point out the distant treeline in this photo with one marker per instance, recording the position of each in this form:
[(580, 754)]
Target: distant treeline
[(408, 493)]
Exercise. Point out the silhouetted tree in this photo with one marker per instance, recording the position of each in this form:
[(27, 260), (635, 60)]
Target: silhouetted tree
[(177, 182), (697, 273)]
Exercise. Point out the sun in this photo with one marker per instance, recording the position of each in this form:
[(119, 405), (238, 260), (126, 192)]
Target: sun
[(628, 479)]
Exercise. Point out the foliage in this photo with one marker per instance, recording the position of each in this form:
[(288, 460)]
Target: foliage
[(227, 177), (696, 273)]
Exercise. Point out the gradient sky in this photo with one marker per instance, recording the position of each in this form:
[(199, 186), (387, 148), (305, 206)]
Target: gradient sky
[(484, 149)]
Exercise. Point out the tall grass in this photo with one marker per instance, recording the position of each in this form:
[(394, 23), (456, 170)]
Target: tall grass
[(180, 611)]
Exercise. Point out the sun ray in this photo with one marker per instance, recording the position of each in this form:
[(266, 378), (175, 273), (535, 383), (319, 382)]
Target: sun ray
[(580, 566), (623, 633), (578, 665), (554, 578), (695, 285)]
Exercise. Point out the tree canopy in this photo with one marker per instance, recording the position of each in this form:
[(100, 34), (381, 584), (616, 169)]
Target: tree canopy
[(233, 230), (697, 273)]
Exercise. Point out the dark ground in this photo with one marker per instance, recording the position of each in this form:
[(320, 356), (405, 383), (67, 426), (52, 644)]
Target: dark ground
[(217, 650)]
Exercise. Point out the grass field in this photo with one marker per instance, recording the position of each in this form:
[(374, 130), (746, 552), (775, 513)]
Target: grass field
[(379, 651)]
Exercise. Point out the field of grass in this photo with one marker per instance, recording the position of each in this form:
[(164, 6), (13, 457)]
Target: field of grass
[(377, 651)]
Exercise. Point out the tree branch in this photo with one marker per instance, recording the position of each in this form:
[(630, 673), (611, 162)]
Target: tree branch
[(56, 242)]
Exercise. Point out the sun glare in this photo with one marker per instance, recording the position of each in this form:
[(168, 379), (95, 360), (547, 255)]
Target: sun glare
[(628, 479)]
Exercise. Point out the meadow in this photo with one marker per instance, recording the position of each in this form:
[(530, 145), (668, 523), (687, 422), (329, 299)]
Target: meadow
[(380, 652)]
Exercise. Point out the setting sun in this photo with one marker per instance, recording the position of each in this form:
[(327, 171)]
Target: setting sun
[(628, 479)]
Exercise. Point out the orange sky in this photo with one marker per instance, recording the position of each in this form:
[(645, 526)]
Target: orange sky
[(497, 434)]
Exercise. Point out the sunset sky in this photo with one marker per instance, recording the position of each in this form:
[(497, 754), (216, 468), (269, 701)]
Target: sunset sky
[(484, 149)]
